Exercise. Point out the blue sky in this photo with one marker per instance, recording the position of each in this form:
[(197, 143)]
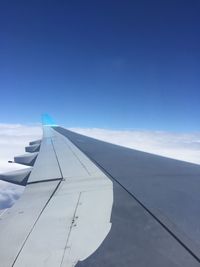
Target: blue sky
[(107, 64)]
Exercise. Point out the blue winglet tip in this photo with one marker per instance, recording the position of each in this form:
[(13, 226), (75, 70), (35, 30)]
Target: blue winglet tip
[(47, 120)]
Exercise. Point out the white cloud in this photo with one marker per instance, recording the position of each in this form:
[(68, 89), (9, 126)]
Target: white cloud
[(9, 193), (14, 137), (183, 146)]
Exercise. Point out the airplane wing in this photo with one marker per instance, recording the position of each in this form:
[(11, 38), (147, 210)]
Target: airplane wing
[(89, 203)]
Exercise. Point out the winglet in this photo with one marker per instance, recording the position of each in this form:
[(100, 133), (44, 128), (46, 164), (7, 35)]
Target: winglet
[(47, 120)]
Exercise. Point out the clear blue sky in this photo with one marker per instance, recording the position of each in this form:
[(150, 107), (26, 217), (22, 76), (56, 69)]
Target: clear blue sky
[(112, 64)]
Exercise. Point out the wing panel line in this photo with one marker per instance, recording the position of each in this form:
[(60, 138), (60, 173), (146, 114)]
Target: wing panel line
[(43, 207), (71, 228), (35, 223), (190, 251)]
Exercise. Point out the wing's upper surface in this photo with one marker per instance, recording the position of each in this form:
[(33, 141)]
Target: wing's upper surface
[(63, 215), (90, 203)]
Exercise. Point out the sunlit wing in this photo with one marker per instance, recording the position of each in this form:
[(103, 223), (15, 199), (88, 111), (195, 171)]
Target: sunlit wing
[(91, 203)]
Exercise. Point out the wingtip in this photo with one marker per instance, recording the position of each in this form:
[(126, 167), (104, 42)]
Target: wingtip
[(47, 120)]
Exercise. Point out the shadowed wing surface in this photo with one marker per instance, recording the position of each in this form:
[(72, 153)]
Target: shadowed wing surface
[(91, 203)]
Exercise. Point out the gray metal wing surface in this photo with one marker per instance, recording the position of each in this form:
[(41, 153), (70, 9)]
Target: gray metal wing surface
[(91, 203), (63, 215)]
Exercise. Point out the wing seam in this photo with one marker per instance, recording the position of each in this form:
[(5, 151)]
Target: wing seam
[(42, 208), (141, 204)]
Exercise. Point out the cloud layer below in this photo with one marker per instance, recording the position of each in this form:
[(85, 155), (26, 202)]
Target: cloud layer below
[(183, 146), (14, 137)]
